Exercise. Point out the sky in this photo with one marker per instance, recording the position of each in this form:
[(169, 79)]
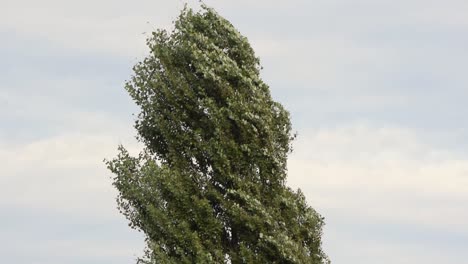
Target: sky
[(377, 93)]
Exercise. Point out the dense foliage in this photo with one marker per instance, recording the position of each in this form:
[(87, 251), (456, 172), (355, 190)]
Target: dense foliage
[(209, 187)]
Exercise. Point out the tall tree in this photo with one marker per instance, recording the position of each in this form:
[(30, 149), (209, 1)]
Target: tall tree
[(209, 186)]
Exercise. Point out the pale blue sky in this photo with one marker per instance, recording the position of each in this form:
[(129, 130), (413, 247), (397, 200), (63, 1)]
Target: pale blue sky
[(377, 91)]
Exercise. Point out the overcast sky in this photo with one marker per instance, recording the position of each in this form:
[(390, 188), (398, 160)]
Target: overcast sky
[(377, 90)]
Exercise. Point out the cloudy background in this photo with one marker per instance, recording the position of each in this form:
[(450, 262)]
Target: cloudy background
[(377, 91)]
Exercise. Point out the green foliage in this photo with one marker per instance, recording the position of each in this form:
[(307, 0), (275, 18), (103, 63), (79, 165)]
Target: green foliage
[(209, 186)]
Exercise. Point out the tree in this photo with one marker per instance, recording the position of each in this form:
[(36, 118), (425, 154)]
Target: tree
[(209, 186)]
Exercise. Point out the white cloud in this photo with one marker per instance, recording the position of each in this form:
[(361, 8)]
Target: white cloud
[(352, 250), (381, 175), (386, 193), (57, 195), (105, 26), (65, 172)]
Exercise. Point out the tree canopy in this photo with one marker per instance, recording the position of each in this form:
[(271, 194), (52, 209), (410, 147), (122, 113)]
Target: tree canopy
[(209, 186)]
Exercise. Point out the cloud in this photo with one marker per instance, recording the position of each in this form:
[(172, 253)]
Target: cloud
[(373, 179), (352, 250), (114, 27), (65, 172), (58, 199), (48, 236)]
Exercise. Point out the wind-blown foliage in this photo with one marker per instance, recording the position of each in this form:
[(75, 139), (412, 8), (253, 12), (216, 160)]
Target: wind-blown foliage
[(209, 186)]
